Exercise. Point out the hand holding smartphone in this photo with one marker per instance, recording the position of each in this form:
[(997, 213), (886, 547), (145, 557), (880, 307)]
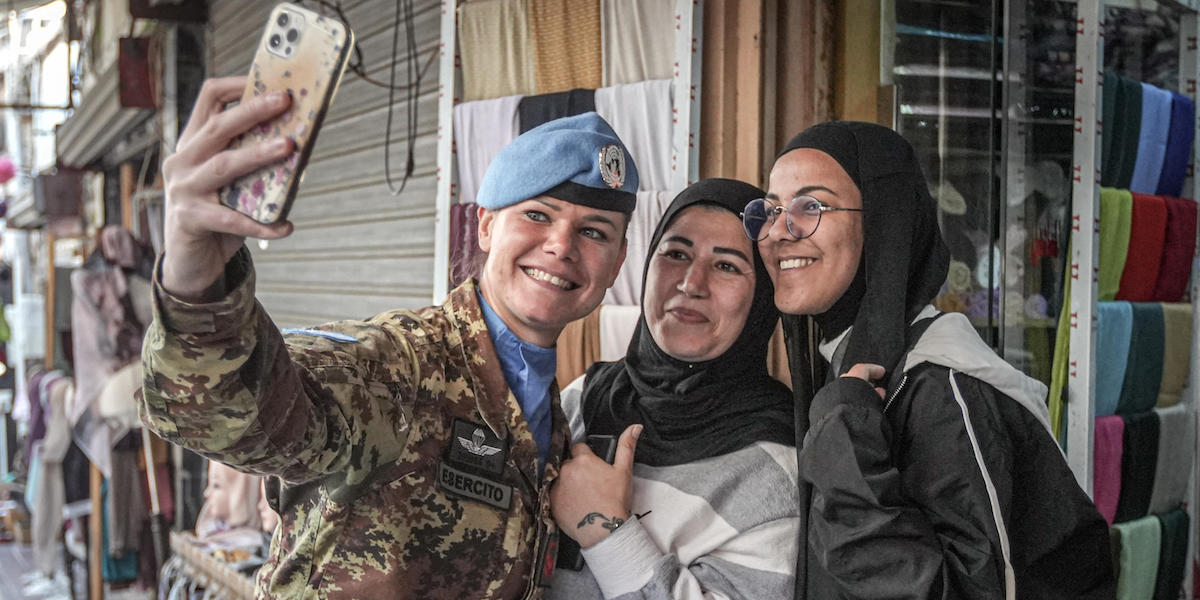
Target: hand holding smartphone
[(302, 54)]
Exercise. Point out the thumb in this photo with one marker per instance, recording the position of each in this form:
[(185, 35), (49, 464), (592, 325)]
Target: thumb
[(626, 446)]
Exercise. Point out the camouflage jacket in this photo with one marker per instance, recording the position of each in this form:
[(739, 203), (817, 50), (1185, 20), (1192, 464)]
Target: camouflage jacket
[(407, 469)]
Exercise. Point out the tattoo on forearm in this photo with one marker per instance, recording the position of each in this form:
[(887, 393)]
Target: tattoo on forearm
[(609, 523)]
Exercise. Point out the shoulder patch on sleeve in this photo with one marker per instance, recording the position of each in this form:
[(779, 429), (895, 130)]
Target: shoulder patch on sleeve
[(329, 335)]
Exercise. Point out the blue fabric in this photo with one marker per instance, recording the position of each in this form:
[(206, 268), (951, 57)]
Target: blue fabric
[(1179, 146), (1152, 140), (560, 151), (528, 369), (1114, 325)]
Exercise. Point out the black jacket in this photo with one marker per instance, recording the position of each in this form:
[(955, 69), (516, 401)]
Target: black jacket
[(947, 488)]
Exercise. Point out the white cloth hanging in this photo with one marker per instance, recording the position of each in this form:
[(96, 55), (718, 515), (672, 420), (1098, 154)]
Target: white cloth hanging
[(617, 324), (637, 39), (627, 289), (481, 129), (641, 114)]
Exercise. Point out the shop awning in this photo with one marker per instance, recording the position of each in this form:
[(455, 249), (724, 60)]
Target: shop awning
[(97, 124)]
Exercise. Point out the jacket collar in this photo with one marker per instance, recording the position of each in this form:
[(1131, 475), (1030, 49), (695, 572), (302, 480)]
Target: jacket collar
[(494, 401)]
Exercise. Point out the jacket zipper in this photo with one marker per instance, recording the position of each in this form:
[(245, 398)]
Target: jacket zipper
[(895, 393)]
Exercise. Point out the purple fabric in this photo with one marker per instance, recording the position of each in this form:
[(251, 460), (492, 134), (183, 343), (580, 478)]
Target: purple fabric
[(1106, 468), (465, 255), (37, 414)]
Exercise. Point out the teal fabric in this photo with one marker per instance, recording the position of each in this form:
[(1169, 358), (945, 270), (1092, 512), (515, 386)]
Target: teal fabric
[(1141, 542), (1114, 326), (1108, 128), (1129, 120), (1172, 560), (1143, 371), (114, 569)]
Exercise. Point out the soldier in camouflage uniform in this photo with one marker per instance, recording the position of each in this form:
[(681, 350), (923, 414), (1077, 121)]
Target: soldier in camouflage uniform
[(406, 463)]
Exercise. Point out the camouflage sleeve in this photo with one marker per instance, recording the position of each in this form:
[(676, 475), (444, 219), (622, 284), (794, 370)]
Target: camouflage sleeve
[(219, 379)]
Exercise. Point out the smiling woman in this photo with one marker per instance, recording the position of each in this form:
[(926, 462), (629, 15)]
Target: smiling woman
[(717, 433)]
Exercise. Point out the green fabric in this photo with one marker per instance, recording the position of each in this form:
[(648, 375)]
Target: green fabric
[(1062, 350), (1141, 542), (1143, 371), (1128, 112), (1177, 352), (1108, 127), (1116, 221), (1172, 561)]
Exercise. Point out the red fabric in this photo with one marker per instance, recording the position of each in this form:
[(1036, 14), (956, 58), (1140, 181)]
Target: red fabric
[(1149, 227), (1106, 465), (1177, 251)]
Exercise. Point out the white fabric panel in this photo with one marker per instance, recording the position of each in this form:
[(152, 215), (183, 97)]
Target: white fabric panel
[(616, 329), (496, 50), (627, 289), (481, 129), (637, 39), (640, 113)]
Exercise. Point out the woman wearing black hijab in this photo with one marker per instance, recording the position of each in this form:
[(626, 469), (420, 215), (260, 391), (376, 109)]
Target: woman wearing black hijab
[(712, 484), (944, 481)]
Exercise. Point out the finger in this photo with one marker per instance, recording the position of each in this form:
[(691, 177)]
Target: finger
[(626, 447), (882, 392), (222, 128), (866, 371), (224, 167), (214, 95), (218, 218), (581, 449)]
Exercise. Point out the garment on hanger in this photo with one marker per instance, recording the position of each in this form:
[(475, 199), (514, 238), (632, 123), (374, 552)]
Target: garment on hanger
[(1138, 464), (1148, 226), (126, 507), (1114, 326), (495, 48), (1116, 219), (1177, 352), (641, 114), (1143, 371), (627, 289), (1106, 468), (1172, 561), (638, 40), (1141, 543), (617, 324), (1179, 146), (1175, 269), (1176, 443), (1152, 141), (465, 254), (1129, 125), (113, 568), (47, 515), (543, 108), (566, 44), (481, 129)]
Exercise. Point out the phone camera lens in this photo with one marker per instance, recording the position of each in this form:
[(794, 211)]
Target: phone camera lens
[(282, 20), (292, 34), (275, 41)]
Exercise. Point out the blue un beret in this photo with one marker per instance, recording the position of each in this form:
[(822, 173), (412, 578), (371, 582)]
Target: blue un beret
[(576, 159)]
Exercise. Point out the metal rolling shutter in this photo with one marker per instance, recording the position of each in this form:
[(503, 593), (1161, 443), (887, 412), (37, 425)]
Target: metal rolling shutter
[(356, 250)]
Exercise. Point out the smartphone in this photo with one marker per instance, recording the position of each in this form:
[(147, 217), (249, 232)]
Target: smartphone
[(569, 553), (302, 54)]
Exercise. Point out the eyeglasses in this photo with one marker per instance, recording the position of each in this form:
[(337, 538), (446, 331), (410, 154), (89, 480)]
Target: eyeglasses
[(803, 216)]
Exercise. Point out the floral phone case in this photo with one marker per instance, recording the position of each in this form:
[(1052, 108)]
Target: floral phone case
[(304, 54)]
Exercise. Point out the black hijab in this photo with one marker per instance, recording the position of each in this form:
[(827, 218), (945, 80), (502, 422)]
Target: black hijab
[(904, 259), (693, 411)]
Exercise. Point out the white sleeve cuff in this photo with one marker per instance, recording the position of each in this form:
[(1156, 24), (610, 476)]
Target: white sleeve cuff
[(624, 561)]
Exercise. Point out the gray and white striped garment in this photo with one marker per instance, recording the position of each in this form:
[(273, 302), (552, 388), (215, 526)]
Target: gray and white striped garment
[(723, 527)]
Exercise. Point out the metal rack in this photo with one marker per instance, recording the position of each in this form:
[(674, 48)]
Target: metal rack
[(1085, 227), (685, 159)]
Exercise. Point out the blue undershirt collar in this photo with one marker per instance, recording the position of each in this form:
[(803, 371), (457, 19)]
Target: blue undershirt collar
[(528, 370)]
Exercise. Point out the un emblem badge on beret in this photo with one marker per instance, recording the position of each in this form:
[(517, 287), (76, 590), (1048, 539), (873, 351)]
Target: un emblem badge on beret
[(612, 166)]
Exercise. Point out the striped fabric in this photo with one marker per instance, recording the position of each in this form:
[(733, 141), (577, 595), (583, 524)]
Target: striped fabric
[(725, 526)]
